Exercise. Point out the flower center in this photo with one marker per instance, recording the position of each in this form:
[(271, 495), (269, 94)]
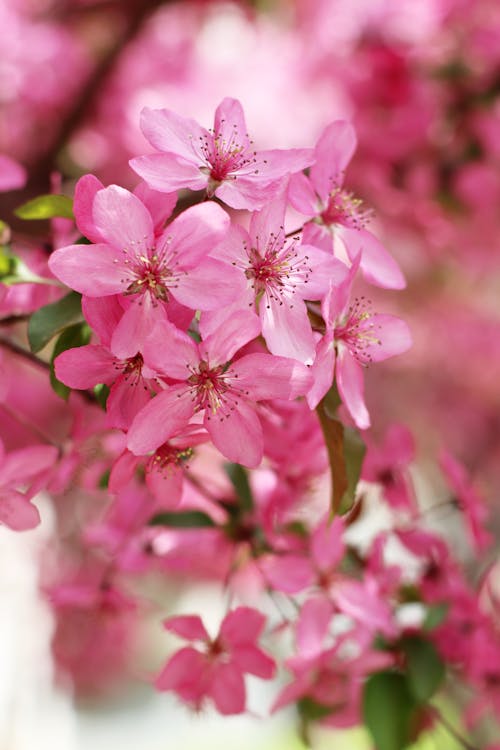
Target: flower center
[(279, 271), (344, 208), (358, 331), (208, 387), (167, 458)]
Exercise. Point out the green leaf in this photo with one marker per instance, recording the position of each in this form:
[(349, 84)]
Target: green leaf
[(436, 614), (388, 710), (311, 710), (51, 319), (74, 336), (185, 519), (101, 392), (424, 669), (46, 207), (239, 479), (354, 453)]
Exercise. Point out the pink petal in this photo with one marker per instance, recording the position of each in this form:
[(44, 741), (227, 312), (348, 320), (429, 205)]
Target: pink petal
[(324, 270), (103, 315), (286, 327), (135, 325), (248, 192), (327, 548), (17, 512), (195, 232), (350, 384), (184, 673), (159, 205), (270, 220), (123, 220), (229, 123), (170, 351), (227, 339), (292, 692), (163, 417), (12, 174), (251, 660), (302, 195), (288, 573), (209, 286), (312, 625), (266, 377), (94, 270), (378, 266), (165, 485), (394, 337), (333, 153), (85, 367), (242, 625), (169, 172), (236, 431), (318, 235), (122, 471), (322, 370), (187, 626), (126, 398), (24, 464), (85, 191), (279, 163), (228, 689), (170, 132)]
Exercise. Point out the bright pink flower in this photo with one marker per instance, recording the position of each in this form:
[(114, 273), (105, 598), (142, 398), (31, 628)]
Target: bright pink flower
[(280, 276), (207, 381), (354, 338), (223, 162), (130, 260), (12, 174), (216, 671), (388, 464), (19, 469), (336, 212)]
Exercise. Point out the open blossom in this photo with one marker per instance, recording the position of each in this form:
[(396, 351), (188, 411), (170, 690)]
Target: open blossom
[(215, 669), (151, 270), (280, 276), (354, 337), (207, 381), (336, 212), (222, 161)]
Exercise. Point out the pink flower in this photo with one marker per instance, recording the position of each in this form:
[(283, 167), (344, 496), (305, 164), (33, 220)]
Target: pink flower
[(388, 464), (280, 276), (336, 212), (12, 174), (130, 260), (207, 381), (216, 671), (222, 161), (354, 338)]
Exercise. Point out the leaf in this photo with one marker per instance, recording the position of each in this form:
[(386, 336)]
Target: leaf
[(333, 432), (388, 710), (354, 453), (239, 479), (46, 207), (424, 669), (436, 613), (51, 319), (185, 519), (70, 338)]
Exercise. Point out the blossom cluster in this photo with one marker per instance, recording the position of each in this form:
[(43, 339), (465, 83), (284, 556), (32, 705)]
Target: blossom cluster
[(212, 341)]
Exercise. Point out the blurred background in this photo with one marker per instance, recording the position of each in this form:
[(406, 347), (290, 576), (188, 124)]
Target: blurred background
[(420, 80)]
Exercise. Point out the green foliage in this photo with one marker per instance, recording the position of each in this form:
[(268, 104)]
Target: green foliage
[(46, 207), (185, 519), (354, 453), (436, 614), (71, 337), (101, 392), (239, 479), (51, 319), (424, 669), (388, 710)]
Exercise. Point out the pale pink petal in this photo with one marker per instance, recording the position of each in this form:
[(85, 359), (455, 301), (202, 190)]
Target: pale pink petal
[(392, 337), (163, 417), (122, 471), (17, 512), (248, 192), (224, 342), (184, 674), (85, 367), (265, 377), (227, 689), (125, 400), (364, 603), (232, 248), (12, 174), (135, 325), (324, 269), (212, 320), (292, 692), (242, 625), (85, 191), (253, 660), (270, 220), (24, 464), (349, 377), (170, 351), (166, 485), (170, 132), (229, 123), (322, 371), (187, 626), (318, 235), (312, 625), (195, 232), (169, 172), (288, 573), (123, 220), (327, 548), (94, 270), (278, 163), (103, 315), (333, 153), (302, 196), (210, 285), (286, 327), (377, 265), (159, 204), (336, 300), (236, 431)]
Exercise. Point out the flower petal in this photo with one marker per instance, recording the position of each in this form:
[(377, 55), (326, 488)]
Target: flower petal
[(333, 153), (349, 377), (85, 366), (377, 264), (85, 191), (94, 270), (286, 327), (123, 220), (170, 351), (236, 431), (211, 285), (17, 512), (227, 689), (169, 172), (187, 626), (170, 132), (195, 232), (229, 123), (266, 377), (163, 417)]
